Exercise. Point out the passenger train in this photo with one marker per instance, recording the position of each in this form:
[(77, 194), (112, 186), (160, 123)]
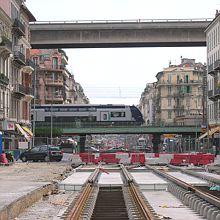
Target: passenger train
[(65, 113)]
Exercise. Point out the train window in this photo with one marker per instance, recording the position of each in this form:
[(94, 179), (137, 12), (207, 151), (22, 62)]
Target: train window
[(73, 110), (117, 114)]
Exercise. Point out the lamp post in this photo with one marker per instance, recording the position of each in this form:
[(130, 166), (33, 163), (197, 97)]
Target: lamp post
[(51, 120), (34, 103)]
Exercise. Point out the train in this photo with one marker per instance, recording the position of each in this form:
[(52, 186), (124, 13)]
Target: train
[(88, 113)]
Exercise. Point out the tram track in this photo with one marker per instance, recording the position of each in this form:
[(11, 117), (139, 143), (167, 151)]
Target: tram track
[(109, 203), (197, 198)]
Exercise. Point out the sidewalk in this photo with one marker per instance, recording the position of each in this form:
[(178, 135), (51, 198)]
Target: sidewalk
[(20, 179)]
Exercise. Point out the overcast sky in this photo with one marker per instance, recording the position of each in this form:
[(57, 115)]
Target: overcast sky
[(120, 75)]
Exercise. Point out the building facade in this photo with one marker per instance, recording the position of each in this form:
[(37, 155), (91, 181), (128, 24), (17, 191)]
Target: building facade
[(213, 71), (15, 74), (147, 103), (180, 97), (54, 83)]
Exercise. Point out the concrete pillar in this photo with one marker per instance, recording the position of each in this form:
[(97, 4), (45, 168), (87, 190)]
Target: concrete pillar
[(0, 142), (82, 141), (156, 143)]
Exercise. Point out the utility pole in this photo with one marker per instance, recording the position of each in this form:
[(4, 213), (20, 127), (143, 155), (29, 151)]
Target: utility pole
[(34, 103)]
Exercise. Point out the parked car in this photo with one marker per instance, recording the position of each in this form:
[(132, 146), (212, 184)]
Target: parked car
[(91, 149), (42, 153)]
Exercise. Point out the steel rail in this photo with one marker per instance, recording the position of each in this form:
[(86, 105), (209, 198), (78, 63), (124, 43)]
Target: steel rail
[(77, 210), (123, 21), (204, 195), (145, 211)]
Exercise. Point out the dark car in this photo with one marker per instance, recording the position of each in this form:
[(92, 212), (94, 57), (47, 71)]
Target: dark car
[(42, 153)]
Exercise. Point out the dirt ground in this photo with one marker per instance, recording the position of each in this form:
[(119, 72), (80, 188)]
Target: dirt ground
[(36, 172)]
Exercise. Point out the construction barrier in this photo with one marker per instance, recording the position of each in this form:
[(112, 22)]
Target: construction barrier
[(149, 158)]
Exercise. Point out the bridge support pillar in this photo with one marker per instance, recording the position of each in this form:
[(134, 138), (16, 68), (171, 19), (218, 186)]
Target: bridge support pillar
[(82, 141), (156, 143)]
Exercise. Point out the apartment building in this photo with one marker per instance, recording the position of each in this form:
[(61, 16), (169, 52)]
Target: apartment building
[(180, 97), (147, 103), (213, 71), (54, 83), (15, 75)]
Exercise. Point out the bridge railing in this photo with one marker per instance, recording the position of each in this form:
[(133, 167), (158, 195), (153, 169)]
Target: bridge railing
[(123, 21), (106, 124)]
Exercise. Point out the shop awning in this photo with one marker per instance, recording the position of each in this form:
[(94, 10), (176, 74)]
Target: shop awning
[(20, 129), (211, 132), (28, 130)]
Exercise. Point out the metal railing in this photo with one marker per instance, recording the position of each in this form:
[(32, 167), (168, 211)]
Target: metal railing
[(18, 88), (19, 27), (54, 81), (124, 21), (4, 79), (19, 56)]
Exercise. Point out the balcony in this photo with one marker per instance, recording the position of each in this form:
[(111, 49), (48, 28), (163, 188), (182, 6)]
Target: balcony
[(182, 82), (4, 80), (214, 95), (5, 45), (18, 27), (54, 98), (178, 107), (19, 57), (211, 70), (217, 65), (210, 93), (59, 68), (54, 82), (29, 68), (21, 91)]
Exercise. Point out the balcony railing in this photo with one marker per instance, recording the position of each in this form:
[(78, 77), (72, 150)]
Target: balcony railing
[(23, 90), (51, 67), (54, 98), (211, 70), (4, 80), (217, 65), (6, 44), (30, 63), (189, 82), (54, 82), (214, 95), (19, 27), (210, 93), (19, 57)]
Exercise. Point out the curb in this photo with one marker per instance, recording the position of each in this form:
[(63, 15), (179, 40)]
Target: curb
[(12, 210)]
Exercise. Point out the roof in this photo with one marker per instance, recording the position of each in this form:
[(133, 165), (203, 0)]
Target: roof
[(214, 20), (28, 13)]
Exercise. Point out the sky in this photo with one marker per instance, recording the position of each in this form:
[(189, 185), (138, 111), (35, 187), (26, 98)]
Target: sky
[(119, 75)]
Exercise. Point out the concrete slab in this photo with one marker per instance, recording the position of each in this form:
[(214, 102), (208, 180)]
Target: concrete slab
[(210, 174), (165, 204), (12, 190), (75, 181), (112, 178), (149, 181), (189, 179)]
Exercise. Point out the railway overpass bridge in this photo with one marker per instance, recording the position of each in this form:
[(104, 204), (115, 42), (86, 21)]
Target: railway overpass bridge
[(82, 131), (119, 33)]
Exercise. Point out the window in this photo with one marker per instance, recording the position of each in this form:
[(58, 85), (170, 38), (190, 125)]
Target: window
[(169, 78), (169, 101), (169, 114), (188, 89), (169, 90), (117, 114), (35, 149), (55, 62)]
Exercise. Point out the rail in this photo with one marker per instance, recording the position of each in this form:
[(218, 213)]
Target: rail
[(77, 210), (204, 195), (123, 21), (144, 209)]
